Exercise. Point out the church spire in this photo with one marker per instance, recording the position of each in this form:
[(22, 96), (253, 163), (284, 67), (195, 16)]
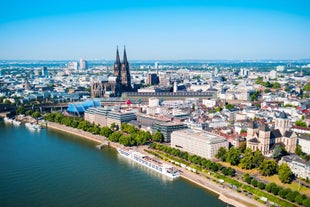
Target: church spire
[(117, 61), (125, 56), (117, 65)]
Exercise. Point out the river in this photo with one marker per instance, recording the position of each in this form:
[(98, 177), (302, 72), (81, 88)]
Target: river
[(49, 168)]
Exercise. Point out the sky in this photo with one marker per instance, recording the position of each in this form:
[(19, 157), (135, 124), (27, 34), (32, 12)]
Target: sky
[(155, 30)]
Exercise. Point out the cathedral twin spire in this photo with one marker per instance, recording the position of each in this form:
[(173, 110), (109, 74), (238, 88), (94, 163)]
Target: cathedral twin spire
[(121, 71)]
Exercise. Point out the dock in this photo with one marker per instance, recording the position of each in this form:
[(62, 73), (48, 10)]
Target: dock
[(100, 146)]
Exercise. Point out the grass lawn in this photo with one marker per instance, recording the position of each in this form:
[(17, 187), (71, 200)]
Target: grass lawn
[(293, 185), (251, 172)]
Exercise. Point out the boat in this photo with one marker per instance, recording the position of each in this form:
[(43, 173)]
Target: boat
[(30, 126), (8, 120), (16, 122), (149, 162)]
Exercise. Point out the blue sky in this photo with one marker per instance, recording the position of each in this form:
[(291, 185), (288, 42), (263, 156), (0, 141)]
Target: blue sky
[(157, 30)]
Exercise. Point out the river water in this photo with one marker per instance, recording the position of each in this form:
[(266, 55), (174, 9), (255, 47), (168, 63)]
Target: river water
[(50, 168)]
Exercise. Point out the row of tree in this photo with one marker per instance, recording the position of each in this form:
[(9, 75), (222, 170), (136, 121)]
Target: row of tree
[(247, 159), (200, 161), (285, 193), (128, 134)]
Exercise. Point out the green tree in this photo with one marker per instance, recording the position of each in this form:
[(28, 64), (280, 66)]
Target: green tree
[(268, 167), (115, 136), (307, 87), (233, 156), (276, 85), (218, 109), (28, 112), (20, 110), (279, 151), (298, 150), (267, 90), (221, 153), (157, 137), (106, 131), (301, 123), (306, 202), (261, 185), (285, 174), (36, 114), (229, 106), (299, 199)]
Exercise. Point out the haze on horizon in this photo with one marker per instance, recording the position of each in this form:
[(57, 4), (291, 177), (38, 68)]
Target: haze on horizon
[(155, 30)]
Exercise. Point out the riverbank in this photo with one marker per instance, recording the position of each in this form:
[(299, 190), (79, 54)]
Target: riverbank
[(225, 194)]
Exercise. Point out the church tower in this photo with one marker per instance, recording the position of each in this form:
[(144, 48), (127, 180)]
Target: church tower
[(282, 123), (264, 138), (117, 65), (125, 74)]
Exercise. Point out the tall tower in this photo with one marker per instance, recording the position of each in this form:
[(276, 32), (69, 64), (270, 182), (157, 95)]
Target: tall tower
[(282, 123), (125, 74), (264, 138), (117, 66)]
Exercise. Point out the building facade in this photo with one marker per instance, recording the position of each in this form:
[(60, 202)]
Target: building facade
[(262, 138), (198, 142), (298, 166)]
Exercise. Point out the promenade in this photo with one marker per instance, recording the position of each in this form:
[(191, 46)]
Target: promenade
[(227, 195)]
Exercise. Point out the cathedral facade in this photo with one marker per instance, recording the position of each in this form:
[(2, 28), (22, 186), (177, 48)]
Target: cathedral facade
[(261, 137), (115, 84)]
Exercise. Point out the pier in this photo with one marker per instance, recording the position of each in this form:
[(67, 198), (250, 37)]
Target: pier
[(100, 146)]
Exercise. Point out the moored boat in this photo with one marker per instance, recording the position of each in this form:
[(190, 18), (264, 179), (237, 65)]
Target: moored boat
[(149, 162)]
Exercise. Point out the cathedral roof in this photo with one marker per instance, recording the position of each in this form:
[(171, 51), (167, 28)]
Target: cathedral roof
[(275, 133), (288, 133), (254, 140)]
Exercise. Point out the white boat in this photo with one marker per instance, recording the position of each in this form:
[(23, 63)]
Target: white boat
[(30, 126), (8, 120), (16, 122), (149, 162)]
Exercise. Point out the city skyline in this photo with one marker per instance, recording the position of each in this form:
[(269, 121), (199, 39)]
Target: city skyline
[(159, 30)]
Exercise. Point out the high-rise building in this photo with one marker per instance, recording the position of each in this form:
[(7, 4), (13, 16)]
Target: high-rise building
[(44, 72), (152, 79), (72, 65), (83, 64)]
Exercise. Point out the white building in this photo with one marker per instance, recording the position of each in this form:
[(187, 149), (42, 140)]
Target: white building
[(83, 64), (209, 103), (198, 142), (304, 141), (273, 74), (298, 166), (72, 65)]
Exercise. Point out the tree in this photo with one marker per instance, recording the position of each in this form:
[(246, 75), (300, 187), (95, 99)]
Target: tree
[(254, 182), (157, 137), (242, 147), (233, 156), (221, 153), (20, 110), (306, 202), (268, 167), (298, 150), (299, 199), (218, 109), (114, 137), (307, 87), (28, 112), (247, 162), (276, 85), (301, 123), (229, 106), (261, 185), (279, 151), (285, 174), (105, 131)]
